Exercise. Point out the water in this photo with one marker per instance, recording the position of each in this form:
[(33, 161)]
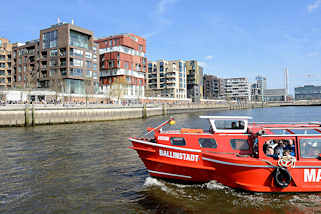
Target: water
[(88, 168)]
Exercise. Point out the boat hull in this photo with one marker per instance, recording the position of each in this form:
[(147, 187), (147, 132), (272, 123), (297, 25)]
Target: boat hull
[(246, 173)]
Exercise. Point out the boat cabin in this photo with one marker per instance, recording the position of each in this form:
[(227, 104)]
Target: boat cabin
[(226, 134), (302, 141)]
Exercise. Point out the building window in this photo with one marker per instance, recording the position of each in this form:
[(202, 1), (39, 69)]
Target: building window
[(76, 52), (54, 52), (126, 65), (77, 62), (49, 39), (88, 64), (110, 64), (74, 86), (78, 39), (88, 55)]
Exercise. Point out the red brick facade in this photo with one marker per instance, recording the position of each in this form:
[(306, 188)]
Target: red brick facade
[(123, 56)]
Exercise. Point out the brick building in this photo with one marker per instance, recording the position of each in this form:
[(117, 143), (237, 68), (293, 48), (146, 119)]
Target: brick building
[(6, 74), (123, 65), (213, 87), (63, 59)]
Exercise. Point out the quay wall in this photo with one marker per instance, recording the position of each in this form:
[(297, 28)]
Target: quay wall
[(40, 115)]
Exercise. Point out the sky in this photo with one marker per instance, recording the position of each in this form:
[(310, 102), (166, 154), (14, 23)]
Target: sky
[(239, 38)]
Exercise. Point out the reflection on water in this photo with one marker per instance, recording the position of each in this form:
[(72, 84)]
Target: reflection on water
[(88, 168)]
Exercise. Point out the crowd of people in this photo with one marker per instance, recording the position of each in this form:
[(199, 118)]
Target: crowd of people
[(278, 148)]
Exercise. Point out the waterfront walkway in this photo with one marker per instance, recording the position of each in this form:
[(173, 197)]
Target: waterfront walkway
[(42, 114)]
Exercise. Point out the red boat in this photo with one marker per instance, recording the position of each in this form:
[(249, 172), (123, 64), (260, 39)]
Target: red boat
[(259, 157)]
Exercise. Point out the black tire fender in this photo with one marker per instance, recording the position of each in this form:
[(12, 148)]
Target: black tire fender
[(282, 177)]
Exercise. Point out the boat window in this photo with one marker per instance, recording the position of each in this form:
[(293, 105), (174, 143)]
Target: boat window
[(229, 124), (207, 143), (277, 148), (240, 144), (178, 141), (310, 148)]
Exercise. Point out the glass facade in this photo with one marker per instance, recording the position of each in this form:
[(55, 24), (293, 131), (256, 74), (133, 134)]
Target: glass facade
[(308, 92), (78, 39), (49, 39), (74, 86)]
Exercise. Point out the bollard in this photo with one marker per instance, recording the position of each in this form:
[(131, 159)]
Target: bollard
[(144, 112), (33, 116), (164, 109), (27, 116)]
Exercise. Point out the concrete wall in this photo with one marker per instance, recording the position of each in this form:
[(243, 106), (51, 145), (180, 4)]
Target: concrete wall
[(41, 116)]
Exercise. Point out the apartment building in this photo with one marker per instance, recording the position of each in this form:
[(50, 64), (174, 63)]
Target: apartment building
[(26, 64), (64, 59), (123, 65), (237, 89), (194, 80), (258, 88), (213, 87), (6, 79), (167, 79)]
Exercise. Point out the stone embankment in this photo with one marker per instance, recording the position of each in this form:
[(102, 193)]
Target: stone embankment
[(27, 115)]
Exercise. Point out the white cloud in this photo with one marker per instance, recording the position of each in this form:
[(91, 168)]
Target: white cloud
[(163, 5), (203, 64), (209, 57), (314, 5), (150, 34), (313, 53)]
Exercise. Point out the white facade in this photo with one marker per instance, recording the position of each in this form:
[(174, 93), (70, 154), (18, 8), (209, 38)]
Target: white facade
[(237, 89)]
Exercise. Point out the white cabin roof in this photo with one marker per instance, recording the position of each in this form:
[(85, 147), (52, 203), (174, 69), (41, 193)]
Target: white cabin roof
[(242, 129), (227, 117)]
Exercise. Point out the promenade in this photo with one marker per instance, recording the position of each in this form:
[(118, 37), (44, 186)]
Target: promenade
[(15, 115)]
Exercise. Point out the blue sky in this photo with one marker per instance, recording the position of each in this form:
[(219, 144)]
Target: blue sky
[(230, 38)]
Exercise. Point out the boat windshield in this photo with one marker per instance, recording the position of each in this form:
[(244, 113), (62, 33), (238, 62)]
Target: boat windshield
[(310, 147), (229, 124)]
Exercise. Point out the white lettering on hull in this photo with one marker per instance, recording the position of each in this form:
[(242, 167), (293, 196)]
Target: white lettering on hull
[(179, 155), (312, 175)]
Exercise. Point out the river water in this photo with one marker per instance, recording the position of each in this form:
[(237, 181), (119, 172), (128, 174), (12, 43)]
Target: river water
[(88, 168)]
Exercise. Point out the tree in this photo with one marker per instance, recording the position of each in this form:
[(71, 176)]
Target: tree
[(56, 83), (89, 89), (30, 80), (118, 87)]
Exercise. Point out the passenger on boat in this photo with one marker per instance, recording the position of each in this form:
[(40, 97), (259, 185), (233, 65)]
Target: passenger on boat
[(270, 152), (279, 149), (234, 125), (241, 124), (290, 147)]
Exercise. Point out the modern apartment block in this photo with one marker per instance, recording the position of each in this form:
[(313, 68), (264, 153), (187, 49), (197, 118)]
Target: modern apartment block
[(237, 89), (194, 80), (26, 65), (258, 88), (213, 87), (276, 95), (167, 79), (63, 59), (307, 92), (5, 64), (123, 65)]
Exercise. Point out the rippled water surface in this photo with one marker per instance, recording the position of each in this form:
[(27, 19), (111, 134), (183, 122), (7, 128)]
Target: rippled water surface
[(88, 168)]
